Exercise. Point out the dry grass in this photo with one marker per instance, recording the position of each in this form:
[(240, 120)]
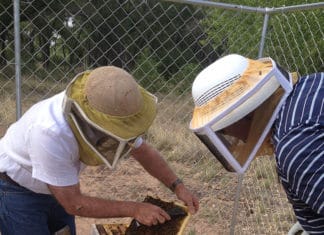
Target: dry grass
[(32, 91)]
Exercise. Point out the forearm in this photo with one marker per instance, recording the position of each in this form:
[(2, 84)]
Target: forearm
[(78, 204), (154, 164), (101, 208)]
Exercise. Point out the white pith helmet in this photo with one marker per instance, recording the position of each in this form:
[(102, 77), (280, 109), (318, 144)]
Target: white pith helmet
[(226, 92), (216, 77), (218, 88)]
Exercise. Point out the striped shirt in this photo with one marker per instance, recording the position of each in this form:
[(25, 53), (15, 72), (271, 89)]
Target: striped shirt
[(299, 147)]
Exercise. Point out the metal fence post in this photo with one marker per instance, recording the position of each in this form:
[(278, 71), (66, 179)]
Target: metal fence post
[(264, 33), (17, 58)]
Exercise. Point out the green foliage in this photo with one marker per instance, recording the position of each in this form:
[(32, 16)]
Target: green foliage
[(114, 33), (149, 73), (268, 3), (146, 71), (236, 32), (293, 39), (293, 45), (182, 80), (180, 38)]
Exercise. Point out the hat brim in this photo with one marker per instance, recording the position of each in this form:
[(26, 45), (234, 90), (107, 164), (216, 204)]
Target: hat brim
[(126, 127), (223, 103)]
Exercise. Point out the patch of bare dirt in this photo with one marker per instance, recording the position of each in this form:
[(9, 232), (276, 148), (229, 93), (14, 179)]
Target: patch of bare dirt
[(131, 182)]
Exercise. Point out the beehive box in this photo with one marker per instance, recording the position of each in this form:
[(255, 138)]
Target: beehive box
[(175, 226)]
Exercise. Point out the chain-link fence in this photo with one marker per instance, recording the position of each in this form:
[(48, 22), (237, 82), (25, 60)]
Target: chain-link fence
[(164, 44)]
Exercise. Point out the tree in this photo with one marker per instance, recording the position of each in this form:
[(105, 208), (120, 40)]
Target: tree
[(294, 39), (6, 23)]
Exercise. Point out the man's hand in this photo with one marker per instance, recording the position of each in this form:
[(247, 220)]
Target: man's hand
[(149, 214), (190, 200)]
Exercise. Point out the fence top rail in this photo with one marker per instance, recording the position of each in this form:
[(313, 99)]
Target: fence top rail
[(264, 10)]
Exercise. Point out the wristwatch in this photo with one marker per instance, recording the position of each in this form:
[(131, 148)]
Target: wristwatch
[(175, 184)]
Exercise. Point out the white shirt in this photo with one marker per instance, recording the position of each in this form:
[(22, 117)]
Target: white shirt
[(40, 148)]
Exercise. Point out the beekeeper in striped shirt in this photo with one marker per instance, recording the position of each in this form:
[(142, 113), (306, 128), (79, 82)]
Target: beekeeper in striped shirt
[(253, 99)]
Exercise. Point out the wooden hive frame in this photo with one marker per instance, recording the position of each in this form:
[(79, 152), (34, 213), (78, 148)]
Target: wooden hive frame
[(175, 226)]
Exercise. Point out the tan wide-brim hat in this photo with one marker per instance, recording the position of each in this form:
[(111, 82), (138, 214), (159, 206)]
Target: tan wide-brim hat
[(110, 98), (221, 85)]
